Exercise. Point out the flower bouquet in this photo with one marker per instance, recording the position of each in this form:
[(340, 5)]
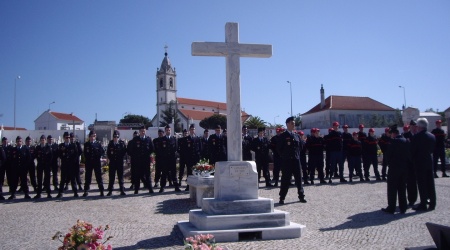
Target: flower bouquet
[(203, 168), (201, 242), (83, 236)]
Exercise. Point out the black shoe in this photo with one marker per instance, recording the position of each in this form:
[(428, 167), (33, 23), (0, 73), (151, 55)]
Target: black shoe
[(187, 188), (431, 208), (322, 181), (150, 191), (75, 195), (402, 211), (27, 196), (384, 179), (66, 188), (161, 190), (411, 204), (122, 193), (281, 202), (420, 207), (102, 194), (109, 193), (367, 179), (177, 189), (444, 174), (170, 184), (156, 185), (80, 188), (361, 179), (302, 199), (38, 196), (49, 196), (276, 184), (342, 180), (136, 191), (20, 190), (350, 180), (330, 181), (387, 210), (378, 179), (59, 195), (268, 184), (12, 197), (435, 175), (312, 182), (85, 194), (305, 182)]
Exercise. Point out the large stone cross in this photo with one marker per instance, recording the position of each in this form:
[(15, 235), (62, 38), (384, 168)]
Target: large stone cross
[(232, 50)]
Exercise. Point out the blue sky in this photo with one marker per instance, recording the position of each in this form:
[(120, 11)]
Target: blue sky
[(101, 57)]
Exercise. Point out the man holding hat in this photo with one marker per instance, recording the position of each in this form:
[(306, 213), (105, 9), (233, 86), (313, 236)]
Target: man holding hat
[(4, 155), (93, 152), (20, 158), (398, 154), (288, 147), (217, 146), (67, 152), (260, 146), (44, 156), (439, 150), (116, 152)]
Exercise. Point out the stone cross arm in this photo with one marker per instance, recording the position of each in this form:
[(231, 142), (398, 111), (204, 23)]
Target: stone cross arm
[(224, 49)]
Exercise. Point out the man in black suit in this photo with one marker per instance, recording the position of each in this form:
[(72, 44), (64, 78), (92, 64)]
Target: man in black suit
[(168, 158), (67, 152), (20, 158), (93, 151), (191, 151), (246, 144), (288, 147), (217, 146), (398, 155), (4, 157), (261, 145), (116, 152), (44, 156), (422, 147)]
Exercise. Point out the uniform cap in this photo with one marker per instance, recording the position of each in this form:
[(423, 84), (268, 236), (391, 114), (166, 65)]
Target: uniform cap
[(49, 137), (184, 130), (361, 125), (18, 138), (345, 126), (160, 131), (279, 129), (135, 133), (66, 134), (71, 135), (335, 124), (261, 129), (371, 130), (206, 131), (244, 127), (301, 133), (438, 122), (142, 127), (406, 127), (92, 132), (386, 130), (224, 130), (330, 129), (393, 129), (355, 133), (289, 119), (42, 137), (167, 126), (28, 138), (412, 123), (192, 126), (313, 130), (218, 127), (4, 138), (116, 134)]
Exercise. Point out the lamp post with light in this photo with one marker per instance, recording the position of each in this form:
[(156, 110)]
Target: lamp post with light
[(404, 96)]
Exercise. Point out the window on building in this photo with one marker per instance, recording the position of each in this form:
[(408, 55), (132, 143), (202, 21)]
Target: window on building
[(171, 82), (161, 83)]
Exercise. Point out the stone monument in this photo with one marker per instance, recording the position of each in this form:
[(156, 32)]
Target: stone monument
[(236, 212)]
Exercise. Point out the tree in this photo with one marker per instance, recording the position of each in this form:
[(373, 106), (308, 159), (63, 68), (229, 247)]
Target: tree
[(212, 121), (170, 115), (136, 119), (298, 121), (255, 122)]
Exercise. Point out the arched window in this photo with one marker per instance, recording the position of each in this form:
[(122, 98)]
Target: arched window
[(161, 83), (171, 83)]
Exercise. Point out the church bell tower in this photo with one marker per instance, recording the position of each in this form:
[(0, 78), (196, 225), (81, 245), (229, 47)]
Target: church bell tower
[(166, 87)]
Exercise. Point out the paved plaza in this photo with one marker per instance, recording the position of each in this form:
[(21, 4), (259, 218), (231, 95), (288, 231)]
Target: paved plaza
[(337, 216)]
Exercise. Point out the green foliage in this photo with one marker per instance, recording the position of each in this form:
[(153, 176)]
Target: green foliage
[(170, 115), (130, 118), (255, 122), (212, 121)]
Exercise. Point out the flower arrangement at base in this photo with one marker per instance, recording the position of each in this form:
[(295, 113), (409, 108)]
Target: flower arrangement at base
[(201, 242), (83, 236), (203, 168)]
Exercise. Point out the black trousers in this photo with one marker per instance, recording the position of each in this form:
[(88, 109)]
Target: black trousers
[(113, 168), (55, 173), (425, 183), (97, 168), (315, 162), (77, 175), (67, 172), (291, 167), (32, 172), (411, 184), (142, 173), (370, 160), (276, 168), (43, 177), (264, 167), (439, 154), (2, 177), (183, 165), (169, 171), (14, 180), (354, 164), (396, 185)]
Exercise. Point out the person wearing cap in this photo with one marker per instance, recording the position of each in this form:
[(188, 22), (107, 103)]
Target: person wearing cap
[(93, 151), (288, 147), (398, 154), (261, 145), (276, 156), (422, 148), (116, 151), (31, 166), (346, 138), (133, 170), (44, 157), (140, 149), (411, 180), (67, 152), (315, 146), (5, 150), (204, 141), (383, 143), (158, 167), (192, 151), (20, 158), (370, 156), (76, 163), (334, 146), (439, 149), (354, 157), (327, 155), (303, 162), (246, 144), (183, 155), (54, 164), (217, 146), (168, 159)]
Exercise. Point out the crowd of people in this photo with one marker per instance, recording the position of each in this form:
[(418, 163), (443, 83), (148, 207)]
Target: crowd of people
[(409, 159)]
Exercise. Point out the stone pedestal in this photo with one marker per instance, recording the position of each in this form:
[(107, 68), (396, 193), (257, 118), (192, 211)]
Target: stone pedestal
[(236, 212), (200, 187)]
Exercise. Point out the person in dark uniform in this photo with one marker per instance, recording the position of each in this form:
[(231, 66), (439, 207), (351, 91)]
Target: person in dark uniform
[(398, 154), (140, 150), (44, 157), (93, 152), (116, 152), (439, 150), (362, 136), (168, 159), (158, 167), (315, 146), (354, 153), (54, 164), (334, 145), (370, 156), (133, 172), (383, 143), (276, 156), (183, 155), (217, 146), (346, 138), (3, 162), (77, 163), (327, 155), (31, 166), (204, 141), (411, 180), (260, 146), (20, 159), (67, 152), (193, 151), (246, 144), (303, 162), (288, 147), (422, 148)]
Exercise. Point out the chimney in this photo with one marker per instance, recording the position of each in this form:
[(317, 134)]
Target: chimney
[(322, 97)]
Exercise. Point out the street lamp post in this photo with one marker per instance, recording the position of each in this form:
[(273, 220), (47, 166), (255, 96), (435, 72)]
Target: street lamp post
[(15, 82), (50, 104), (404, 96), (290, 87), (48, 115)]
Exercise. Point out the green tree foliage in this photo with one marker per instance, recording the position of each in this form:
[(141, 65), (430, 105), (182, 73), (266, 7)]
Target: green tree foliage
[(298, 121), (130, 118), (212, 121), (170, 115), (255, 122)]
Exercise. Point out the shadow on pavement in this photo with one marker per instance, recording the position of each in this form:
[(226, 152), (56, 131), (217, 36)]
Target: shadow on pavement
[(368, 219), (176, 206), (175, 240)]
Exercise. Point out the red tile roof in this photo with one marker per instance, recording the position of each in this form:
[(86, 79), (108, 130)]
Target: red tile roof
[(65, 117), (12, 128), (334, 102), (195, 102)]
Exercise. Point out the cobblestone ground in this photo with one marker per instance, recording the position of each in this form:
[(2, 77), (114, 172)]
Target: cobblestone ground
[(337, 216)]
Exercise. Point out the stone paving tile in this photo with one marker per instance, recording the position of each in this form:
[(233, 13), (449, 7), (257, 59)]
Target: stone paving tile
[(337, 216)]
